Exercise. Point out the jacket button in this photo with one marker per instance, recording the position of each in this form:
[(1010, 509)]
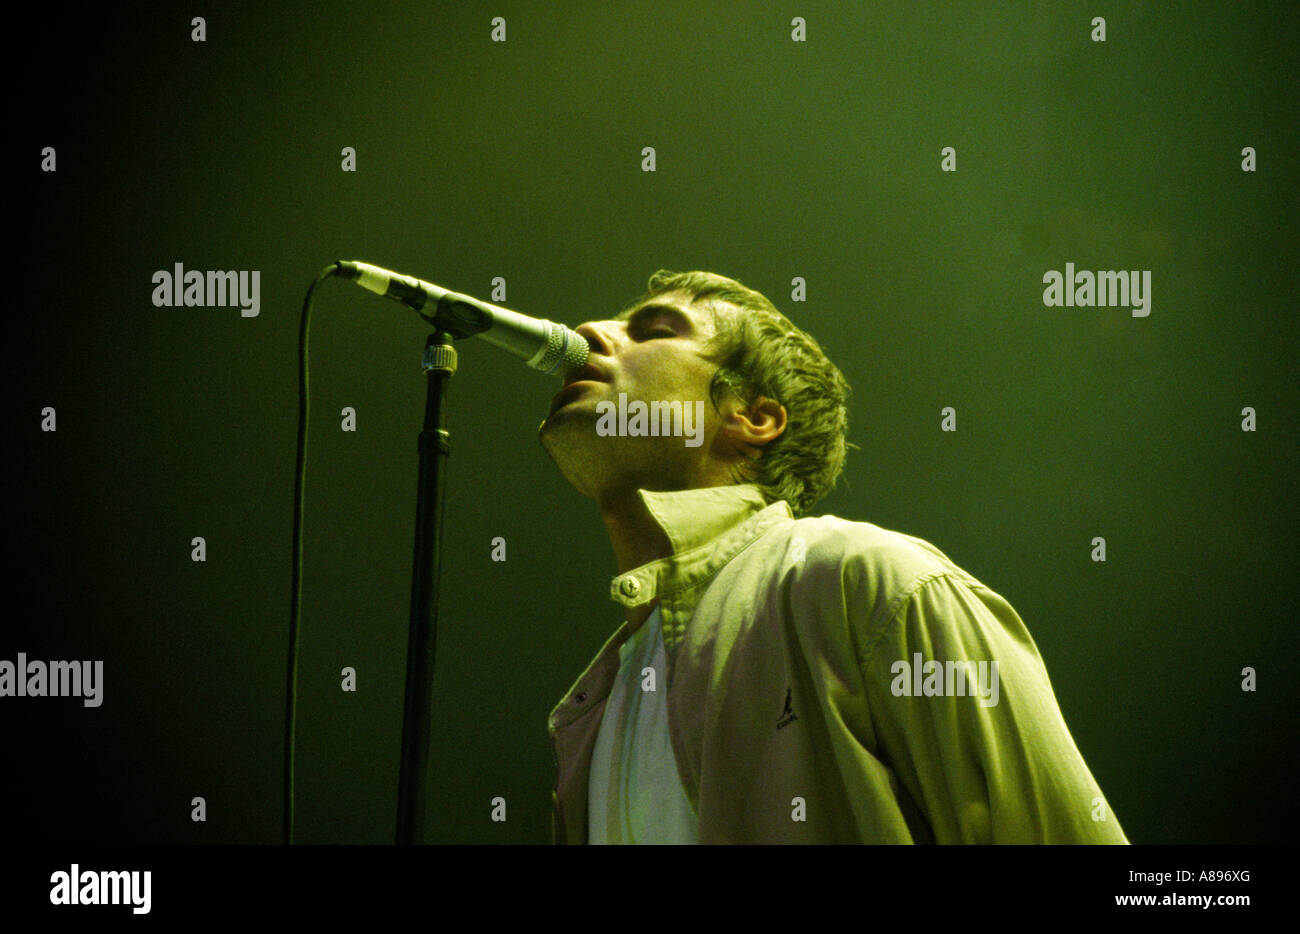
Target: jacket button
[(630, 586)]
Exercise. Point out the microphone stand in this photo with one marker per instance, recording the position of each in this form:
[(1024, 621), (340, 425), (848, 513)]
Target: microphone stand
[(439, 364), (455, 317)]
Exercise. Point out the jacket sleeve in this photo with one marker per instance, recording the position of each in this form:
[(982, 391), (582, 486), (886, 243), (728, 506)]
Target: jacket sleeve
[(980, 744)]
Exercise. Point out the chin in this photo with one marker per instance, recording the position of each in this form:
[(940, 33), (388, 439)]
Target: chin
[(568, 417), (566, 433), (569, 447)]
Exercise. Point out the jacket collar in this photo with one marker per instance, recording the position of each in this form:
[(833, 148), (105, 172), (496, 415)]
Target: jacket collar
[(696, 522)]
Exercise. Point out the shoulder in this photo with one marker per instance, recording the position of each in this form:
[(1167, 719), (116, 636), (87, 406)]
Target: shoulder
[(841, 543), (859, 559)]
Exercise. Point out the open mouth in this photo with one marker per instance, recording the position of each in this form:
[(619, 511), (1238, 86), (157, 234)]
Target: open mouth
[(588, 373), (570, 392), (578, 382)]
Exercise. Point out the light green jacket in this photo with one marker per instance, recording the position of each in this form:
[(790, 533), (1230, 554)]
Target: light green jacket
[(791, 715)]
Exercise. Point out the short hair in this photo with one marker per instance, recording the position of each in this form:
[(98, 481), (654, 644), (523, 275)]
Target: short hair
[(760, 352)]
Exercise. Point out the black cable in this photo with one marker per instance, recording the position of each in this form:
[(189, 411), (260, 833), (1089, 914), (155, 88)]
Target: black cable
[(295, 597)]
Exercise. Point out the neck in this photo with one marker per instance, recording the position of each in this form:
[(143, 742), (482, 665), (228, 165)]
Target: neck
[(636, 539)]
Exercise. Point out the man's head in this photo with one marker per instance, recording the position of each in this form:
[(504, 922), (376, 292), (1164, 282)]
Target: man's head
[(773, 404)]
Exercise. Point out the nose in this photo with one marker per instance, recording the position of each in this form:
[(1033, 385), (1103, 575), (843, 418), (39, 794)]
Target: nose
[(599, 336)]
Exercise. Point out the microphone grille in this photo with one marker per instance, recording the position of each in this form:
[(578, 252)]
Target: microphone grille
[(566, 350)]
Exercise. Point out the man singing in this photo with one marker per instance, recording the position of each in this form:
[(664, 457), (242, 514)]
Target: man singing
[(781, 679)]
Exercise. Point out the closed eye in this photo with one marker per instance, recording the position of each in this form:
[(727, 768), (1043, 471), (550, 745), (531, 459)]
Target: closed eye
[(656, 321)]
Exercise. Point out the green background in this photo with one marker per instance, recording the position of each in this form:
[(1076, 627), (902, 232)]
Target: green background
[(522, 159)]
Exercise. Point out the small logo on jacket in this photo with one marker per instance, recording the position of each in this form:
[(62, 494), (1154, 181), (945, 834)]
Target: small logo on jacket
[(788, 715)]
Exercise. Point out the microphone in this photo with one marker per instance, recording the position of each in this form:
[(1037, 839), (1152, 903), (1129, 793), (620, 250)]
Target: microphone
[(543, 345)]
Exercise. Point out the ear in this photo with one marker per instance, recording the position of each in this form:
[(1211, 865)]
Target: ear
[(749, 426)]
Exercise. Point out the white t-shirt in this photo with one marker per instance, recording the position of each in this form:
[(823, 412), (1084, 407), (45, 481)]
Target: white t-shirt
[(634, 793)]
